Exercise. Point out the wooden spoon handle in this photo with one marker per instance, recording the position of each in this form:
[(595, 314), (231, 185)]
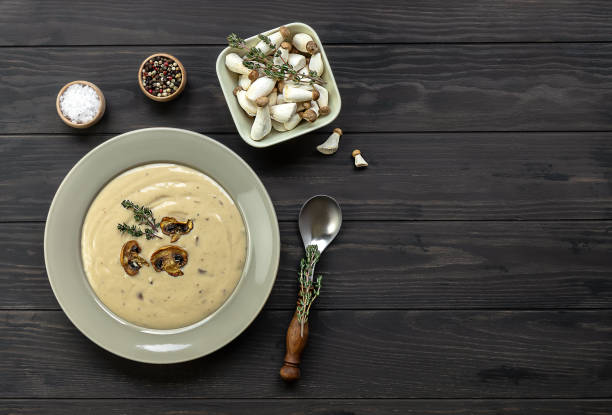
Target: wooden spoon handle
[(295, 342)]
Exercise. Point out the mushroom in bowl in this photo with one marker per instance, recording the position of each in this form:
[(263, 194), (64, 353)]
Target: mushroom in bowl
[(290, 59)]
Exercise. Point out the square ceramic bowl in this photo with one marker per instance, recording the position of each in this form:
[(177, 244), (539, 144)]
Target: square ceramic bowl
[(229, 80)]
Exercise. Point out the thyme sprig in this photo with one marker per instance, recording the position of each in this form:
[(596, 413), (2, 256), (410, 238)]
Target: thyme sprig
[(255, 59), (143, 216), (132, 230), (309, 286)]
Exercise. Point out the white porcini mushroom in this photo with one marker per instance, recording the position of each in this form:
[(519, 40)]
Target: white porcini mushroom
[(316, 64), (293, 122), (312, 113), (302, 106), (244, 82), (247, 105), (323, 100), (272, 97), (275, 38), (280, 99), (283, 112), (330, 146), (297, 61), (284, 54), (298, 94), (262, 124), (261, 87), (278, 126), (233, 61), (359, 160), (304, 43)]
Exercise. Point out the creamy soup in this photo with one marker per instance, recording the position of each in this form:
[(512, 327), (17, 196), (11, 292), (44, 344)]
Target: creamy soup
[(216, 246)]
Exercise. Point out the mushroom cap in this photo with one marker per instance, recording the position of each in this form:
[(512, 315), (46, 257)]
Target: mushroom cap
[(235, 92), (253, 75), (284, 30), (285, 45), (175, 228), (355, 153), (169, 258), (262, 101), (315, 94), (309, 115), (130, 260), (312, 47), (324, 110), (336, 130)]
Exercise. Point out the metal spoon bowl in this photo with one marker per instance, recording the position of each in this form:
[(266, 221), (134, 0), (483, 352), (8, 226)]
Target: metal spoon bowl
[(320, 221)]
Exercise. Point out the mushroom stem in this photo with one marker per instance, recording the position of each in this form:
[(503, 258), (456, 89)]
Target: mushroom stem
[(316, 64), (234, 63), (278, 126), (272, 98), (359, 160), (330, 146), (323, 100), (283, 112), (247, 105), (260, 87), (298, 94), (262, 124), (297, 61), (284, 54), (304, 43), (244, 82), (275, 38), (293, 121)]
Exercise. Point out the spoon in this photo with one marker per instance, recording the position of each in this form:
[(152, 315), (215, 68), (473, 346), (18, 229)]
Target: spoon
[(320, 221)]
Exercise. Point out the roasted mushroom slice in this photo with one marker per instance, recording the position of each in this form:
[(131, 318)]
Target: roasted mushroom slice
[(169, 258), (176, 228), (130, 260)]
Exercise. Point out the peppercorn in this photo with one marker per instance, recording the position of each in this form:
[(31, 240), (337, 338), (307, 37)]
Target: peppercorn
[(161, 76)]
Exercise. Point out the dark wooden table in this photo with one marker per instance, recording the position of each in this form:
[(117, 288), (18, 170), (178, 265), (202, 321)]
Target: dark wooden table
[(473, 273)]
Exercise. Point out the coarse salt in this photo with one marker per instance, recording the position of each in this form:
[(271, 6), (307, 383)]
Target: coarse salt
[(80, 103)]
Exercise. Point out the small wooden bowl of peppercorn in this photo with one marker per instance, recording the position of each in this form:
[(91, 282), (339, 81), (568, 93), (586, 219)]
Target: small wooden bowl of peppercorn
[(162, 77)]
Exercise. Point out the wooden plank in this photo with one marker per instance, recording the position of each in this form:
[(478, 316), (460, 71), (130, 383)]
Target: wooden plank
[(195, 22), (351, 354), (398, 88), (416, 176), (305, 406), (408, 265)]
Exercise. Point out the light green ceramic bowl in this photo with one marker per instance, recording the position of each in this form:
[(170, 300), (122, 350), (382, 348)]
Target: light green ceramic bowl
[(229, 80), (63, 245)]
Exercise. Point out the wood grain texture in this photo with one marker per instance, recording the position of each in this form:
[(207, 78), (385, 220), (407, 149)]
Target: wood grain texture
[(406, 265), (305, 407), (468, 176), (196, 22), (472, 273), (398, 88), (351, 354)]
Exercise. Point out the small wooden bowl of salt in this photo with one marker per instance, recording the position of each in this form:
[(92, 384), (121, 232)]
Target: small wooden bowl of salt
[(80, 104)]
